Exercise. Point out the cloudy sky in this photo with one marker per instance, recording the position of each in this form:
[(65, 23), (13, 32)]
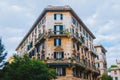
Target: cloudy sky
[(102, 17)]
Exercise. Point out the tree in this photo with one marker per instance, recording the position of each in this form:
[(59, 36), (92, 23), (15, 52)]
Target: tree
[(106, 77), (3, 54), (24, 68)]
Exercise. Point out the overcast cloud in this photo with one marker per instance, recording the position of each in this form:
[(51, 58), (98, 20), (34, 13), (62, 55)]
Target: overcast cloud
[(102, 17)]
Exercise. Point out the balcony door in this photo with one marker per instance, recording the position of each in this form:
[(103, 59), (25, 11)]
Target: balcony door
[(58, 29), (58, 55)]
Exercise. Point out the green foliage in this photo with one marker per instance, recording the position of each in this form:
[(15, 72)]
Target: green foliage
[(114, 66), (24, 68), (106, 77), (3, 54)]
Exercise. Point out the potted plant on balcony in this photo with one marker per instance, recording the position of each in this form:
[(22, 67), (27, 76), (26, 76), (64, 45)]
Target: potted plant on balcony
[(70, 60), (66, 32)]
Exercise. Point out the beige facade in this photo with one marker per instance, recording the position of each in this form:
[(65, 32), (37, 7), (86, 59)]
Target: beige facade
[(61, 39), (101, 62)]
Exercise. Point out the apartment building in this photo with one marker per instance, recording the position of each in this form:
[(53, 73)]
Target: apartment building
[(100, 61), (115, 71), (62, 40)]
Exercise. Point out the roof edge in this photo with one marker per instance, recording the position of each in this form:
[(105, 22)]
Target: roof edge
[(55, 8)]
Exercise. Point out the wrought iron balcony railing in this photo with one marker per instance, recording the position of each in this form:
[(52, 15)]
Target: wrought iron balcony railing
[(58, 33), (40, 37)]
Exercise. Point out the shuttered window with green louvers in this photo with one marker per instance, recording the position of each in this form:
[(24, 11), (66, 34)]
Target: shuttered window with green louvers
[(58, 55), (58, 16), (61, 71), (57, 42)]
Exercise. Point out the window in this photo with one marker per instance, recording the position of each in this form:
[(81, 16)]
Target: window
[(97, 57), (58, 55), (61, 71), (31, 54), (73, 44), (78, 47), (90, 38), (97, 65), (30, 45), (57, 42), (43, 44), (73, 21), (78, 58), (77, 24), (116, 78), (76, 72), (39, 25), (80, 28), (77, 35), (43, 20), (115, 72), (103, 51), (58, 29), (72, 31), (38, 48), (42, 56), (58, 16), (86, 34)]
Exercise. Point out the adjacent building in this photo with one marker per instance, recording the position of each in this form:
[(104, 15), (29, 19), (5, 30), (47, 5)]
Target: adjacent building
[(100, 61), (62, 40), (115, 71)]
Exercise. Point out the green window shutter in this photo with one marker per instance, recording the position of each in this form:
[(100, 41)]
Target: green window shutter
[(54, 54), (59, 42), (62, 54), (64, 71), (61, 29), (61, 16), (55, 29), (54, 42), (54, 16)]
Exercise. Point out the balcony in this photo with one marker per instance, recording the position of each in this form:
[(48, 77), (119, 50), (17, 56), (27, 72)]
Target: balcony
[(72, 62), (65, 62), (58, 62), (58, 33), (40, 37), (77, 38)]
